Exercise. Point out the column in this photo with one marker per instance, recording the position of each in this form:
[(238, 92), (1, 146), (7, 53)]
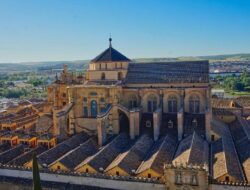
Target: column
[(208, 117), (180, 122), (134, 123), (131, 125), (101, 132), (157, 123)]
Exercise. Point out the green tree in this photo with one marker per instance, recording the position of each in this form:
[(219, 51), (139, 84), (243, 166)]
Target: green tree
[(36, 175)]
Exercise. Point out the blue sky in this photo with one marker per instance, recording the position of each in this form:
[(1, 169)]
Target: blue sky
[(40, 30)]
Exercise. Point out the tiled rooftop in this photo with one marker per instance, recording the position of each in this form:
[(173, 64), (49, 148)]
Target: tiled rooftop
[(168, 72), (162, 152), (4, 147), (219, 112), (242, 143), (79, 154), (107, 153), (231, 163), (10, 154), (219, 161), (55, 153), (132, 158), (192, 150), (27, 156), (110, 55), (243, 101), (223, 103)]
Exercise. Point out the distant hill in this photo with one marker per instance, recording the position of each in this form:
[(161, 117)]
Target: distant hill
[(229, 57), (83, 64)]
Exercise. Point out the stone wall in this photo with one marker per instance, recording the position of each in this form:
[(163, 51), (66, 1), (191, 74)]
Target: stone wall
[(10, 179), (86, 124), (76, 179)]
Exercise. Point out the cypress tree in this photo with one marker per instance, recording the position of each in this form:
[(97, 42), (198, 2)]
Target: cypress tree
[(36, 175)]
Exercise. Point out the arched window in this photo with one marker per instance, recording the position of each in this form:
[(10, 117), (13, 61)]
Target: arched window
[(194, 104), (93, 108), (172, 104), (170, 124), (178, 178), (103, 76), (194, 179), (85, 111), (120, 76), (152, 103), (132, 101)]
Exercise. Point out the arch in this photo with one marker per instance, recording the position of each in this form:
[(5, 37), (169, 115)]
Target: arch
[(103, 76), (151, 103), (120, 76), (94, 108), (172, 104), (123, 122), (194, 104), (195, 95)]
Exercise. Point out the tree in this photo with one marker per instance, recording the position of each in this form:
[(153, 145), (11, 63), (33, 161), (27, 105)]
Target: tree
[(36, 175)]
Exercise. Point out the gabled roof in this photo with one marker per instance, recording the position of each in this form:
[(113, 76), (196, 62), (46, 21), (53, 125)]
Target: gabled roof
[(192, 150), (108, 153), (58, 151), (162, 152), (132, 158), (224, 155), (79, 154), (110, 55), (27, 156), (225, 161), (9, 155), (242, 141)]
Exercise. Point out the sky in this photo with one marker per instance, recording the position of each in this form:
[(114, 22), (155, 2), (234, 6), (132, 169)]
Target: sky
[(66, 30)]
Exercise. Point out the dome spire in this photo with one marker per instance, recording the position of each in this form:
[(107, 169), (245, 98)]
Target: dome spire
[(110, 40)]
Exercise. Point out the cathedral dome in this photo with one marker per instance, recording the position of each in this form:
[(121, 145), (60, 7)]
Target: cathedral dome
[(110, 55)]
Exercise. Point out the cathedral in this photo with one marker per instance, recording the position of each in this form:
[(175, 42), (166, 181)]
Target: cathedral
[(163, 108), (116, 95)]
